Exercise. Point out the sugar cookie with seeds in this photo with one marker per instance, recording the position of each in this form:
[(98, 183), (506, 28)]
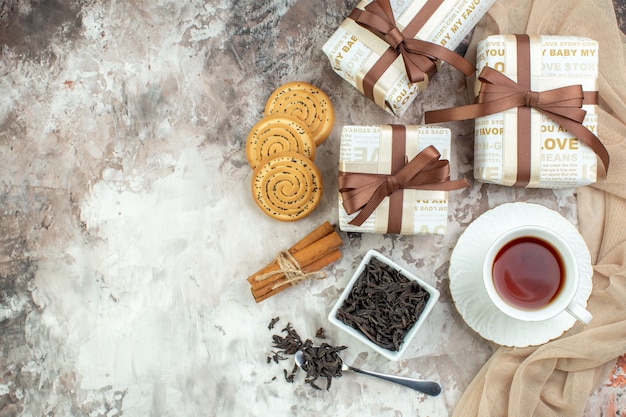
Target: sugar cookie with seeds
[(287, 187), (278, 133), (306, 102)]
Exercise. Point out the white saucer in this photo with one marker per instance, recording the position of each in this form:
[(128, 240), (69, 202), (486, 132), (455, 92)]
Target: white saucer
[(466, 282)]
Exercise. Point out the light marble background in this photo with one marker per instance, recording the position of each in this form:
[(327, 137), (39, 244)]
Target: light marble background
[(127, 228)]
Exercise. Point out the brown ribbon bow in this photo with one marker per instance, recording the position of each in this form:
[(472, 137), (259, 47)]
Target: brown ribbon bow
[(419, 56), (499, 93), (366, 191)]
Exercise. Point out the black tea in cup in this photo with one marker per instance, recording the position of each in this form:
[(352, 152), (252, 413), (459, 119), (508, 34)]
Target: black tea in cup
[(528, 272)]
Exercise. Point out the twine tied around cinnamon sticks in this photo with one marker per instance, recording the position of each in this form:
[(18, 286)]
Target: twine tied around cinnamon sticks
[(302, 261), (289, 266)]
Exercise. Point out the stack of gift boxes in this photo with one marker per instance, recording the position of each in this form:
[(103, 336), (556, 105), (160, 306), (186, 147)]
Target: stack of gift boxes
[(535, 112)]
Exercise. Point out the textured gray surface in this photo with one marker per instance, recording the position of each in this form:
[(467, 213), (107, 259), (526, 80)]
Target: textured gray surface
[(127, 229)]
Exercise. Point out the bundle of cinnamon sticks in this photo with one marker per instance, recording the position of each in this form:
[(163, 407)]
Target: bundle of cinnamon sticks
[(316, 250)]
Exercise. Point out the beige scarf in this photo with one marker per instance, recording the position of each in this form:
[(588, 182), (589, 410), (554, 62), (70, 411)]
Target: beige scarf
[(556, 379)]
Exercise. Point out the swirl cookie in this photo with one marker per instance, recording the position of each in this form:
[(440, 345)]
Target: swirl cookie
[(287, 187), (307, 103), (275, 134)]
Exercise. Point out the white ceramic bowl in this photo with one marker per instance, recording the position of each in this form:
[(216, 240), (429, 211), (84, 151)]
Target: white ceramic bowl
[(430, 304)]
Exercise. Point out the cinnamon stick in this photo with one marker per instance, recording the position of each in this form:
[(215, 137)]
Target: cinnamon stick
[(319, 232), (312, 267), (313, 252), (305, 257), (323, 230), (263, 293)]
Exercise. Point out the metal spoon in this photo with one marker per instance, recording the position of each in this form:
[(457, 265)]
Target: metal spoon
[(427, 387)]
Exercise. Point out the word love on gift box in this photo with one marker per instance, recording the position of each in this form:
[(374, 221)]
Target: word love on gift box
[(392, 179), (536, 112), (390, 60)]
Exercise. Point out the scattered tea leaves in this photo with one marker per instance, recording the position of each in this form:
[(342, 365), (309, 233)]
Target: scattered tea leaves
[(321, 361), (289, 377), (321, 333), (290, 343), (273, 323)]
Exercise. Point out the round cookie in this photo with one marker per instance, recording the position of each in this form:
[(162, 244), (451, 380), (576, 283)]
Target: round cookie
[(275, 134), (287, 187), (306, 102)]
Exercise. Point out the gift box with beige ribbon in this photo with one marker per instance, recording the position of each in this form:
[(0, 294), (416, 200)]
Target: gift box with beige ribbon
[(536, 111), (395, 179), (389, 50)]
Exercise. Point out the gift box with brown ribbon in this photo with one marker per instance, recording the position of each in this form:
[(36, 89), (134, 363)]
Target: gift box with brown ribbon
[(535, 113), (389, 50), (395, 179)]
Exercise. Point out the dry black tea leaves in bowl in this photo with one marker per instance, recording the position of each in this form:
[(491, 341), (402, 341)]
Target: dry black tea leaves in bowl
[(383, 305), (321, 361)]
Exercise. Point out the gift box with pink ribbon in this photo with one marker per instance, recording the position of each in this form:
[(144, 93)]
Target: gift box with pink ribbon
[(536, 112), (395, 179), (389, 50)]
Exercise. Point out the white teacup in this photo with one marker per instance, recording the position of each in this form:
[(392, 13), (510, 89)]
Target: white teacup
[(531, 274)]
